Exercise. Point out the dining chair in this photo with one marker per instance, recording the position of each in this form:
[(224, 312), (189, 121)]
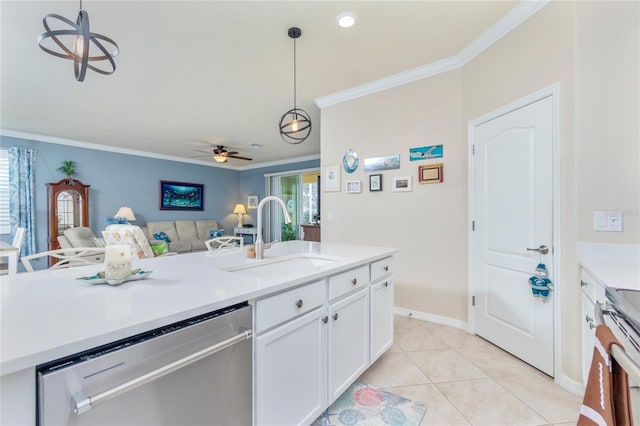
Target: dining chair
[(224, 242), (68, 257), (18, 240)]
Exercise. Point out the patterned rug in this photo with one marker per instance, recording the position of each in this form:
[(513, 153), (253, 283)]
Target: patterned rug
[(363, 405)]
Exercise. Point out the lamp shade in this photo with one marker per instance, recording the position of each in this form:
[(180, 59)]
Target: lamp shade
[(126, 213), (239, 209)]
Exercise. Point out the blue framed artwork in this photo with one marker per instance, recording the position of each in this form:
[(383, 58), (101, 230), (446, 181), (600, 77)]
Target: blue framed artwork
[(181, 196), (425, 152), (388, 162)]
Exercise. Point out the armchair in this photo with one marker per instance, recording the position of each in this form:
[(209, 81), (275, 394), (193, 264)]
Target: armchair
[(79, 236)]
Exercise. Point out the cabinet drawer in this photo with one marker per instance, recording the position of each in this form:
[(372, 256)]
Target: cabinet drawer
[(282, 307), (590, 287), (381, 268), (345, 282)]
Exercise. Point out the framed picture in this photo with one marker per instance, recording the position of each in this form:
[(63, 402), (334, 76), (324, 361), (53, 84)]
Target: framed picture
[(331, 178), (375, 183), (252, 202), (425, 152), (402, 184), (430, 173), (388, 162), (353, 186), (181, 196)]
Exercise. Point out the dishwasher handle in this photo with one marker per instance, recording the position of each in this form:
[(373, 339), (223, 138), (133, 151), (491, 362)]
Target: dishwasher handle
[(83, 403)]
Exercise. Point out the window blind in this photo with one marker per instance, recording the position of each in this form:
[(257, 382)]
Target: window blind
[(4, 192)]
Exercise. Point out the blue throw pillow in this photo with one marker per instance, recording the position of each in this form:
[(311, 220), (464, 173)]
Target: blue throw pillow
[(216, 233), (162, 236)]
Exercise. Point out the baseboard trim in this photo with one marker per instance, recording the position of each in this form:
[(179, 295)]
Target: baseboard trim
[(437, 319), (570, 385)]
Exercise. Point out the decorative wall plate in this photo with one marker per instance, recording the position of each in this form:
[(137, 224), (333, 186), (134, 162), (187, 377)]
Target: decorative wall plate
[(350, 161)]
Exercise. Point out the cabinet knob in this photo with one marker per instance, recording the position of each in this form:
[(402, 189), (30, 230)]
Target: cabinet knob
[(592, 325), (583, 283), (299, 304), (386, 283), (335, 316), (386, 268), (325, 319), (354, 281)]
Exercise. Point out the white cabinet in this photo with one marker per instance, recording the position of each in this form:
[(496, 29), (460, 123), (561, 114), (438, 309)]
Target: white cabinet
[(313, 341), (348, 341), (592, 292), (381, 317), (291, 372)]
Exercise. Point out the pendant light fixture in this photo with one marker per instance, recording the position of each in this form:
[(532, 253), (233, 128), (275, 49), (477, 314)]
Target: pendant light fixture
[(295, 124), (78, 52)]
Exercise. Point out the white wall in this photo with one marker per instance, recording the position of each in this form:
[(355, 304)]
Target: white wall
[(591, 49), (427, 224)]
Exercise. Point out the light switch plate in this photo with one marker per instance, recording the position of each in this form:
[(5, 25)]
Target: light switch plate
[(607, 221)]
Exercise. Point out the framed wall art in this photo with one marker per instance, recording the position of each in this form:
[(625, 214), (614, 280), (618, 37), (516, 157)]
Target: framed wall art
[(430, 173), (388, 162), (331, 178), (402, 184), (181, 196), (425, 152), (375, 183), (252, 202), (353, 187)]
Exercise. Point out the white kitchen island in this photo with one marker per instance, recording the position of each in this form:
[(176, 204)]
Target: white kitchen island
[(47, 315)]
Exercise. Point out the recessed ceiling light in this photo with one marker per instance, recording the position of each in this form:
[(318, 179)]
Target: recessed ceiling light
[(346, 19)]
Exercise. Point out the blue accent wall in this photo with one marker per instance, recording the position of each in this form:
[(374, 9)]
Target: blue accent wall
[(128, 180)]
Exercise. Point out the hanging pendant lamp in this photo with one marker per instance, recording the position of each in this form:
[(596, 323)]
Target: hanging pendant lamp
[(295, 124), (79, 50)]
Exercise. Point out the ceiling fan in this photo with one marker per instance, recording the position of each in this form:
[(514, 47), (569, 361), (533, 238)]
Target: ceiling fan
[(221, 155)]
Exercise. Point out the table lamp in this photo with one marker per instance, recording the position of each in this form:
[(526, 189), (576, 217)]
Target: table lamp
[(126, 213), (240, 210)]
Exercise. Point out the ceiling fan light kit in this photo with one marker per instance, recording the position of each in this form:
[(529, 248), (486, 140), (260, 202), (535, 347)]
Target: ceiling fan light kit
[(79, 50), (295, 124)]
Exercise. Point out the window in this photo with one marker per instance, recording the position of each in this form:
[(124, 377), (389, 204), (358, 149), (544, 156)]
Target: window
[(4, 192)]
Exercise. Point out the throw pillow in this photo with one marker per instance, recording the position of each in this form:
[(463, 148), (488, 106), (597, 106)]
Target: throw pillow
[(216, 233), (160, 248), (162, 236)]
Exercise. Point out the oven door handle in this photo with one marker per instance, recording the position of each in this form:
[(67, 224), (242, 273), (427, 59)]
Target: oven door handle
[(82, 403)]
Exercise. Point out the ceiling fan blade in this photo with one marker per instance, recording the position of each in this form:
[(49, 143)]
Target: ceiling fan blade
[(240, 158), (232, 152)]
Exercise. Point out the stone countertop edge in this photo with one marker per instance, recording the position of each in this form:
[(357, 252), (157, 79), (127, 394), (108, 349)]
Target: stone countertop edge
[(47, 315), (612, 265)]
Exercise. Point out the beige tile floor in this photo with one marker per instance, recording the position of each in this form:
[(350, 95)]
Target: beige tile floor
[(464, 380)]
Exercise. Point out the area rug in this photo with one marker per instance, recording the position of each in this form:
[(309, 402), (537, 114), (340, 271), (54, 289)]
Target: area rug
[(363, 405)]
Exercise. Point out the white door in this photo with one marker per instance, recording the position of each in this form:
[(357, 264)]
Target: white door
[(512, 210)]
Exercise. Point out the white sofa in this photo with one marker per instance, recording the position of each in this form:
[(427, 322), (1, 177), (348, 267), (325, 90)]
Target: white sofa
[(184, 235)]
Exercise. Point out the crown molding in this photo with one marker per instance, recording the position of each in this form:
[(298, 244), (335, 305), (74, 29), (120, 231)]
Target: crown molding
[(89, 145), (511, 20)]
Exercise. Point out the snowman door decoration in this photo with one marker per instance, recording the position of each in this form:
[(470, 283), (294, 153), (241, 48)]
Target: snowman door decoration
[(540, 282)]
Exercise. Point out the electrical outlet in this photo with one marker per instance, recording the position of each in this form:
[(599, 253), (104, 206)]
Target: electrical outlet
[(607, 221)]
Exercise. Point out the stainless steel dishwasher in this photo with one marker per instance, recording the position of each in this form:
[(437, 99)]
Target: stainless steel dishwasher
[(194, 372)]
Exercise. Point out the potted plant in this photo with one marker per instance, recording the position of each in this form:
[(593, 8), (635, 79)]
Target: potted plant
[(68, 168)]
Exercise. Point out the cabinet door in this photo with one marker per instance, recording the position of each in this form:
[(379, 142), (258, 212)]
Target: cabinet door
[(291, 372), (348, 341), (588, 335), (381, 318)]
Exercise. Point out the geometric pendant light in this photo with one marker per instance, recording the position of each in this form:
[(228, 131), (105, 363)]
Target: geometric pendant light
[(295, 124), (80, 40)]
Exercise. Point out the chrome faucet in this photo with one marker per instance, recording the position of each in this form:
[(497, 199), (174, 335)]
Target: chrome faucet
[(259, 243)]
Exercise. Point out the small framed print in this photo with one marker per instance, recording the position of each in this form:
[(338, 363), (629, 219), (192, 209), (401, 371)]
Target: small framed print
[(430, 173), (331, 178), (252, 202), (353, 186), (375, 183), (402, 184)]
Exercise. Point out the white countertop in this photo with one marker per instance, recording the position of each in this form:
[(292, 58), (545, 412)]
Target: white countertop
[(49, 314), (613, 265)]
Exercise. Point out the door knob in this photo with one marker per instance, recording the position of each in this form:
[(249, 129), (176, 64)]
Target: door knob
[(542, 249)]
